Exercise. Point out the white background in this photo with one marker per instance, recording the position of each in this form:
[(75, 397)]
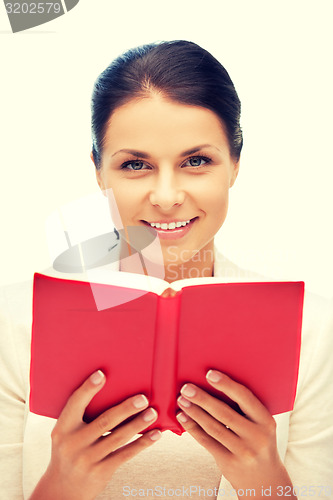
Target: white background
[(279, 55)]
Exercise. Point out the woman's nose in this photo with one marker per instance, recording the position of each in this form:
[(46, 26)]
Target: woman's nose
[(167, 191)]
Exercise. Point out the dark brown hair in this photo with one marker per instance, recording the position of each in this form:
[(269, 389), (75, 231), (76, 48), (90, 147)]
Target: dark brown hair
[(182, 71)]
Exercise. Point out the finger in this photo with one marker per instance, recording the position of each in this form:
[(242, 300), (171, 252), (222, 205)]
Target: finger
[(130, 450), (215, 448), (245, 399), (122, 435), (217, 430), (114, 416), (217, 409), (72, 414)]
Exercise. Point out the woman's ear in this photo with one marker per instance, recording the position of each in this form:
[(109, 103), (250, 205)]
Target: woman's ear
[(98, 173), (234, 172)]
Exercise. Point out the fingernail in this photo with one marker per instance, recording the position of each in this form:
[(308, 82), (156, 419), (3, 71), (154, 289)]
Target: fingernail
[(182, 417), (155, 435), (97, 377), (149, 415), (214, 376), (188, 391), (140, 401), (182, 401)]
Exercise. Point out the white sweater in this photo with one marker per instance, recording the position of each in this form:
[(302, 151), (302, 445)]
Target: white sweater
[(305, 435)]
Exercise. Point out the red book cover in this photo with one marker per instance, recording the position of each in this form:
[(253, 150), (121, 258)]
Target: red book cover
[(153, 344)]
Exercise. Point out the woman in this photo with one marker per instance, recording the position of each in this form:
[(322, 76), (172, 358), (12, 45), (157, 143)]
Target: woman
[(167, 143)]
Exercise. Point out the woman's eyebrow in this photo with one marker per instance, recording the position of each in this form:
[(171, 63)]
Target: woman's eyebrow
[(142, 154), (197, 148), (133, 152)]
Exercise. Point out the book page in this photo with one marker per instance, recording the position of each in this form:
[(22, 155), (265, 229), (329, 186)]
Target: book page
[(109, 276)]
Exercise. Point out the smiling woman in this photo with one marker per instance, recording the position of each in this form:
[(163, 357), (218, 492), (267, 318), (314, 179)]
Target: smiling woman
[(166, 145), (152, 110), (157, 181)]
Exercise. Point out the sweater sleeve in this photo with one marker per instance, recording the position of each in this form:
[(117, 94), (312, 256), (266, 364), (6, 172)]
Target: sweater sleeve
[(14, 370), (309, 456)]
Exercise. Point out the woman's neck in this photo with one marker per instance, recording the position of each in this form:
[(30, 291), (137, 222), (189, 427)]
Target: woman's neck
[(197, 267), (200, 265)]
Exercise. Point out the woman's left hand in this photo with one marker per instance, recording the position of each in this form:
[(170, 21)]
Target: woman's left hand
[(244, 447)]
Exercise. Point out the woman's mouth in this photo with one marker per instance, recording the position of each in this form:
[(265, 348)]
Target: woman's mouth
[(171, 230)]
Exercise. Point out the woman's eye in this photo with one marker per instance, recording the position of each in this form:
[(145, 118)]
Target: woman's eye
[(134, 165), (197, 161)]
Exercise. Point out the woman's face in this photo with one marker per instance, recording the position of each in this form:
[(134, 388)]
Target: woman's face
[(170, 168)]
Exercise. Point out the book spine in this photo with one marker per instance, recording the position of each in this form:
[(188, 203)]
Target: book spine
[(164, 369)]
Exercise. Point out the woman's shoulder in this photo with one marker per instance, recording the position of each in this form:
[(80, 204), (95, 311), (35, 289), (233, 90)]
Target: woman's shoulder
[(224, 267), (317, 336), (15, 338), (317, 311), (16, 301)]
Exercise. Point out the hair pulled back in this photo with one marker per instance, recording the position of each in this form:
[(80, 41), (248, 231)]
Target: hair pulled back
[(179, 70)]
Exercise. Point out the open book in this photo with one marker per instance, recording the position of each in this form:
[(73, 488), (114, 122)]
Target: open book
[(153, 344)]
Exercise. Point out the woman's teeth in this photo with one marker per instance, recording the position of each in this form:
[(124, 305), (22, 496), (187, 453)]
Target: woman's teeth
[(170, 225)]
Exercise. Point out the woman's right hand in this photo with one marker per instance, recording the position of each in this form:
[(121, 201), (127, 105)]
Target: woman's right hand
[(83, 460)]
